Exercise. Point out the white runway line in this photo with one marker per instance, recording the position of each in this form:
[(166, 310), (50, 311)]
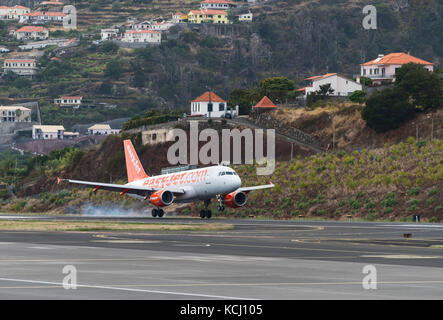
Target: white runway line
[(129, 289)]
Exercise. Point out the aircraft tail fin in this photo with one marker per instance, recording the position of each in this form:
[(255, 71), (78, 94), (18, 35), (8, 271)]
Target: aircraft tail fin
[(134, 167)]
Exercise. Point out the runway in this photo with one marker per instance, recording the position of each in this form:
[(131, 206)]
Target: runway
[(258, 259)]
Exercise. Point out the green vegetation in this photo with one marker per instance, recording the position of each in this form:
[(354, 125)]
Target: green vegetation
[(364, 184), (415, 90), (151, 117)]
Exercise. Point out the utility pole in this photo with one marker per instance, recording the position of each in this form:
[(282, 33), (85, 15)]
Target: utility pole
[(292, 151)]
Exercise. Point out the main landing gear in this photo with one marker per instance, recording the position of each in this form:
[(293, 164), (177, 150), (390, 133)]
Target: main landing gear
[(157, 213), (206, 213)]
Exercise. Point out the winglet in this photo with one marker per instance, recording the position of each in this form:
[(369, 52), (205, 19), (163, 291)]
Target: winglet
[(59, 180)]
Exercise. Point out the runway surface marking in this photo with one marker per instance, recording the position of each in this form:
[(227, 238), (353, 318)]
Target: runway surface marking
[(129, 289), (124, 286), (401, 256)]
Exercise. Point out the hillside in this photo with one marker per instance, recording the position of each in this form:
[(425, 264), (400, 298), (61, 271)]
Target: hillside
[(392, 182), (286, 38)]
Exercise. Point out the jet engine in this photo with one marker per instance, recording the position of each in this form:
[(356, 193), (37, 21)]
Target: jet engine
[(162, 198), (235, 199)]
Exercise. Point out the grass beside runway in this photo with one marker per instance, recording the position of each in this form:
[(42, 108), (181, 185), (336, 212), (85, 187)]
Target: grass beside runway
[(36, 225)]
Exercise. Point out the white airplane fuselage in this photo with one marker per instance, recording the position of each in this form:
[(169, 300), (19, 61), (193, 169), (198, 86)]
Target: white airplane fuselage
[(199, 184)]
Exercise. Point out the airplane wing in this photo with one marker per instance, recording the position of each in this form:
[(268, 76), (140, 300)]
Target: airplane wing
[(123, 189), (248, 189)]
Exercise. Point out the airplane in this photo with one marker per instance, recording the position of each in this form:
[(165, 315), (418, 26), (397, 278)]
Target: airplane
[(202, 184)]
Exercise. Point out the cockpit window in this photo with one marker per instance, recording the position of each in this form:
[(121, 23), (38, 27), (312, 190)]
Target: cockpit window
[(229, 173)]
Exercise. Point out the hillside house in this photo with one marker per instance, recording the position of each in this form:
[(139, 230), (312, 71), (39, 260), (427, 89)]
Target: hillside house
[(21, 66), (15, 114), (245, 17), (102, 129), (40, 132), (13, 13), (208, 105), (179, 17), (383, 68), (161, 26), (69, 101), (148, 36), (217, 4), (32, 32), (109, 34), (208, 16), (342, 86), (144, 25), (42, 16)]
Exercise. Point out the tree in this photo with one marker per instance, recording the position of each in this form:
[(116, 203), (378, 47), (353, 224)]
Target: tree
[(114, 69), (424, 88), (358, 96), (245, 99), (276, 88), (387, 109), (109, 47), (321, 94)]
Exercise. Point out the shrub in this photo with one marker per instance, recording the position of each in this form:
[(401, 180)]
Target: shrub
[(389, 201), (387, 109), (358, 96), (413, 191)]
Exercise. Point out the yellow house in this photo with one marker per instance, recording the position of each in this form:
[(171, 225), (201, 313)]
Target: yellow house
[(207, 15)]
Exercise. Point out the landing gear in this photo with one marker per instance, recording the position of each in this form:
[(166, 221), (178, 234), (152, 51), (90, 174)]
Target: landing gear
[(220, 207), (157, 213), (206, 213)]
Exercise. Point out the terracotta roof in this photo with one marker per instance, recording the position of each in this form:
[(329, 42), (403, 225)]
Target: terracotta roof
[(398, 58), (31, 29), (321, 76), (303, 89), (218, 1), (19, 60), (141, 31), (178, 14), (208, 97), (265, 102), (209, 11), (21, 7), (53, 2), (48, 14), (71, 98)]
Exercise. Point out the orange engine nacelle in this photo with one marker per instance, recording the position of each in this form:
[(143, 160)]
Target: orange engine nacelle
[(162, 198), (235, 199)]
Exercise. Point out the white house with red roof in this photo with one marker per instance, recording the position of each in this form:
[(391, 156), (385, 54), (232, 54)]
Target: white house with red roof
[(69, 101), (384, 67), (217, 4), (32, 32), (13, 13), (42, 16), (342, 86), (20, 66), (208, 105), (147, 36)]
